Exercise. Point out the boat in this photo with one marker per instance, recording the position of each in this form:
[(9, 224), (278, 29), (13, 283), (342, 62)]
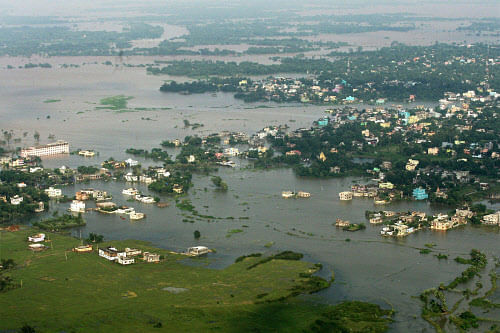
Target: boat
[(287, 194)]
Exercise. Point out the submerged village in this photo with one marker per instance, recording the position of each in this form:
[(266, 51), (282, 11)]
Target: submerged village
[(447, 155), (232, 166)]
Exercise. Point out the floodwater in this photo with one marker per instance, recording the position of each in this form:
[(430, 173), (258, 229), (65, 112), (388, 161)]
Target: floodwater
[(368, 267)]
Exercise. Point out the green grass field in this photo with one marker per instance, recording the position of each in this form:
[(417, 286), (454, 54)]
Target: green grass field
[(65, 291)]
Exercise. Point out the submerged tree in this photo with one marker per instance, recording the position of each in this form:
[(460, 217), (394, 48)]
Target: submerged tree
[(197, 234)]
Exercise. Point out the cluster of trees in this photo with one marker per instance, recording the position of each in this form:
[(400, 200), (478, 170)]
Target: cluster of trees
[(219, 183), (87, 170), (166, 185), (65, 221), (393, 73), (62, 40), (156, 154), (94, 238), (31, 195), (6, 281)]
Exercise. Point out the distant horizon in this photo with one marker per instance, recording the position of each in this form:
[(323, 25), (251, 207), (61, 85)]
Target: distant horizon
[(78, 8)]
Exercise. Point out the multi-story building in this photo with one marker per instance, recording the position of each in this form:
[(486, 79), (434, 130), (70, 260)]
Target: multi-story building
[(77, 206), (419, 194), (59, 147), (53, 192), (344, 196), (492, 219)]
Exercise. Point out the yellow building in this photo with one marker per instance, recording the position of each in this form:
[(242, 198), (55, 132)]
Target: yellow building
[(387, 185)]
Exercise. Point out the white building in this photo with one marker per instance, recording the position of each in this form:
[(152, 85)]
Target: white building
[(16, 200), (77, 206), (144, 199), (110, 253), (124, 260), (492, 219), (231, 151), (5, 160), (130, 162), (53, 192), (86, 153), (346, 195), (132, 252), (197, 250), (145, 179), (36, 238), (151, 257), (442, 222), (129, 177), (59, 147), (16, 163), (130, 191)]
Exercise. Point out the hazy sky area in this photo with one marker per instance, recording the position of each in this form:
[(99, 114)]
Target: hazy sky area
[(485, 8)]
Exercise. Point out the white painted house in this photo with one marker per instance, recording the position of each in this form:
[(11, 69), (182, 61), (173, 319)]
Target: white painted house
[(53, 192), (109, 253), (130, 162), (16, 200), (129, 177), (197, 250), (492, 219), (124, 260), (77, 206), (36, 238)]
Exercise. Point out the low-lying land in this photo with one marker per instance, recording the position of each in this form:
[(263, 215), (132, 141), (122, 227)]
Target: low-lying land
[(59, 290)]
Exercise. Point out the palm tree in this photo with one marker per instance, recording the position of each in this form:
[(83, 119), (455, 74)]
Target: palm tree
[(8, 136)]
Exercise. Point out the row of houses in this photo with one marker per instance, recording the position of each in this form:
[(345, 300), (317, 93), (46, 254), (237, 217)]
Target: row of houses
[(127, 256)]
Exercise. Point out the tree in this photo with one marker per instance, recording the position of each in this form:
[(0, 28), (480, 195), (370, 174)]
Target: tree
[(94, 238), (197, 234), (27, 329), (36, 136), (222, 186), (8, 136)]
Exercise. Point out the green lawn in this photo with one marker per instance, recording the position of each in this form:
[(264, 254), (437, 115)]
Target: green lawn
[(86, 293)]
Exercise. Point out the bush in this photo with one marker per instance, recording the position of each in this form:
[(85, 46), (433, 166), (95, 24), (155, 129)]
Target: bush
[(252, 255)]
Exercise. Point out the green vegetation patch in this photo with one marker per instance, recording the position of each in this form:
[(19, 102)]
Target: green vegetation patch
[(65, 221), (116, 103), (115, 298), (52, 100)]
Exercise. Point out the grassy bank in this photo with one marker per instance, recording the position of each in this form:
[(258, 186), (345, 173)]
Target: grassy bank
[(65, 291)]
